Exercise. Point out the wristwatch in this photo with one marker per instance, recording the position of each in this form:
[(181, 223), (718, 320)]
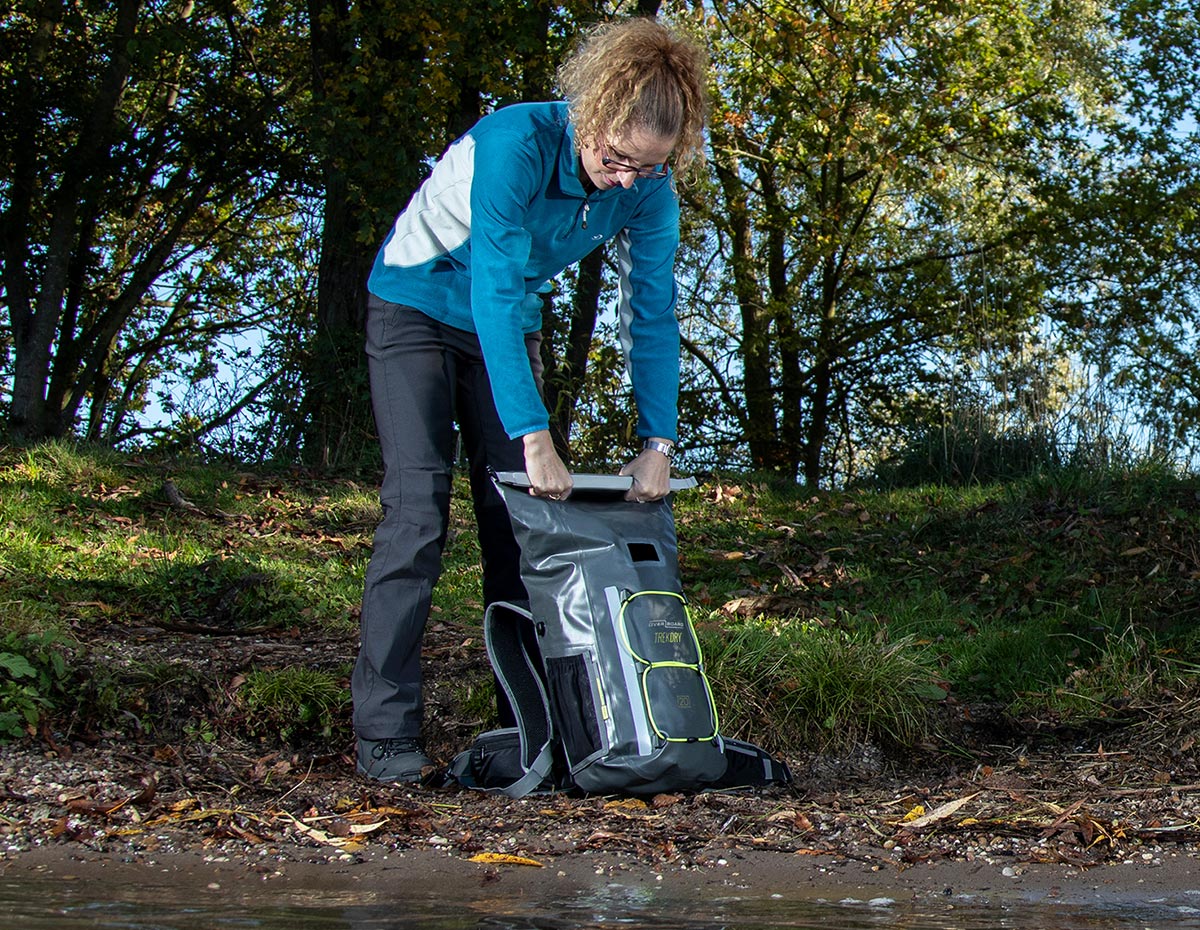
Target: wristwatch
[(666, 448)]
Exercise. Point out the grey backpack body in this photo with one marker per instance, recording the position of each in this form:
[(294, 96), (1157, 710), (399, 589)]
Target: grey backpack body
[(629, 698), (627, 703)]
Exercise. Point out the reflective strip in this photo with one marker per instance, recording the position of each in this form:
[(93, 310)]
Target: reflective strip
[(641, 722)]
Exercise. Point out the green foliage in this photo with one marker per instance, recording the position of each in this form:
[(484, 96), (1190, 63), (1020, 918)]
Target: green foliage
[(966, 449), (826, 617), (1012, 591), (1003, 661), (801, 684), (150, 147), (223, 593), (294, 703), (865, 158), (34, 681), (58, 462), (1126, 670)]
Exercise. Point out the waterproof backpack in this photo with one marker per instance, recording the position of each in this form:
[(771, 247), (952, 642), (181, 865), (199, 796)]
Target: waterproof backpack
[(602, 666)]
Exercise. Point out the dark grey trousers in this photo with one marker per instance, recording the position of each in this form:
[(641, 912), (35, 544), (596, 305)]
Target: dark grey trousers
[(425, 376)]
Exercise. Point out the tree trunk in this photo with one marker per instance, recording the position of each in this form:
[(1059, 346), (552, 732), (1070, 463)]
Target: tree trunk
[(789, 444), (337, 413), (334, 423), (822, 373), (36, 321), (758, 421), (564, 381)]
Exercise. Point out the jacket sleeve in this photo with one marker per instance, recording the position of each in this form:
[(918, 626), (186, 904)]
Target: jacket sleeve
[(648, 326), (507, 177)]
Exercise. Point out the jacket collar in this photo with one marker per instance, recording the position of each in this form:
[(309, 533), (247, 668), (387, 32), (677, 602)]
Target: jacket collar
[(569, 167)]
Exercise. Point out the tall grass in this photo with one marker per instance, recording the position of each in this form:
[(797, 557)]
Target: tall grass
[(800, 684)]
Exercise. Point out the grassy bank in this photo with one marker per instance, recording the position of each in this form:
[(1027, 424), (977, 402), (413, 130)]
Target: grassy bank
[(179, 600)]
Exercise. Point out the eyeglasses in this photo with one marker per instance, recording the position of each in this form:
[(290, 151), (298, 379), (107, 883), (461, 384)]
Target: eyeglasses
[(650, 173)]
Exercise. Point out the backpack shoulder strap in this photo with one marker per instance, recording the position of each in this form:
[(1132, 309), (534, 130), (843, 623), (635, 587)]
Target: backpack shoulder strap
[(511, 641), (494, 763)]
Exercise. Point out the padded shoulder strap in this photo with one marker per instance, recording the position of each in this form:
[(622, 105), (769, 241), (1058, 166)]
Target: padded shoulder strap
[(511, 642)]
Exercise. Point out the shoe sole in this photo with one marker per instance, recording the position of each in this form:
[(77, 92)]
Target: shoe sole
[(403, 778)]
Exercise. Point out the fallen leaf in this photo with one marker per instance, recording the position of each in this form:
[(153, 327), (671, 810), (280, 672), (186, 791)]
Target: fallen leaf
[(504, 859), (358, 828), (101, 808), (939, 813), (627, 804), (347, 845), (146, 796), (394, 811), (723, 492)]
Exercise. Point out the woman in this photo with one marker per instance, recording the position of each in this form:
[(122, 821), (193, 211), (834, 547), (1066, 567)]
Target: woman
[(453, 332)]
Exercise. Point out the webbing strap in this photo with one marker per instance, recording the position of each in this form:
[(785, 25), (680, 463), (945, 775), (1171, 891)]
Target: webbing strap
[(530, 781)]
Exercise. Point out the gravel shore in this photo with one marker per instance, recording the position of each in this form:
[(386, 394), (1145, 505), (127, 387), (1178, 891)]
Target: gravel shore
[(1084, 829)]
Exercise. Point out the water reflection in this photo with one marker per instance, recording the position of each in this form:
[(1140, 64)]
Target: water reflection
[(42, 904)]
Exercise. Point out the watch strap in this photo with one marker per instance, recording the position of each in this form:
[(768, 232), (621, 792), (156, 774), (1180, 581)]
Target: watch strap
[(666, 448)]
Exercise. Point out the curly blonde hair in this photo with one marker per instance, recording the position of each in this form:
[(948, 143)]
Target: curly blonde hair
[(639, 74)]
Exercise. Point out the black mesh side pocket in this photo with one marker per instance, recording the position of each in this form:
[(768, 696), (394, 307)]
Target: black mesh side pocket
[(573, 708)]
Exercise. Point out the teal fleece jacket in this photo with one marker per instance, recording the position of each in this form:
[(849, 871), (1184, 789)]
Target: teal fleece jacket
[(504, 212)]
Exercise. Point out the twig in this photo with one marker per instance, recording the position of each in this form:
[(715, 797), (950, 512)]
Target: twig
[(1131, 792), (300, 782)]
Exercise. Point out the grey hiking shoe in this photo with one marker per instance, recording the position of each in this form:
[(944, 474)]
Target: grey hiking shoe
[(398, 759)]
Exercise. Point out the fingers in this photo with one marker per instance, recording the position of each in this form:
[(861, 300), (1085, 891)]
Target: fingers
[(551, 493), (639, 493), (548, 476), (651, 473)]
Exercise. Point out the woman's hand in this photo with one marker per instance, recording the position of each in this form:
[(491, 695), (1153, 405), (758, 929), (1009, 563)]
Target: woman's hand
[(548, 476), (651, 472)]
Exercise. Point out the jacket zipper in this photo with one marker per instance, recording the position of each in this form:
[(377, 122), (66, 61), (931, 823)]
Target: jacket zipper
[(586, 206)]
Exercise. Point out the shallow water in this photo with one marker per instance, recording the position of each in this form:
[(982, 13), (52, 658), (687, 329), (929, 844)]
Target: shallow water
[(45, 904)]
